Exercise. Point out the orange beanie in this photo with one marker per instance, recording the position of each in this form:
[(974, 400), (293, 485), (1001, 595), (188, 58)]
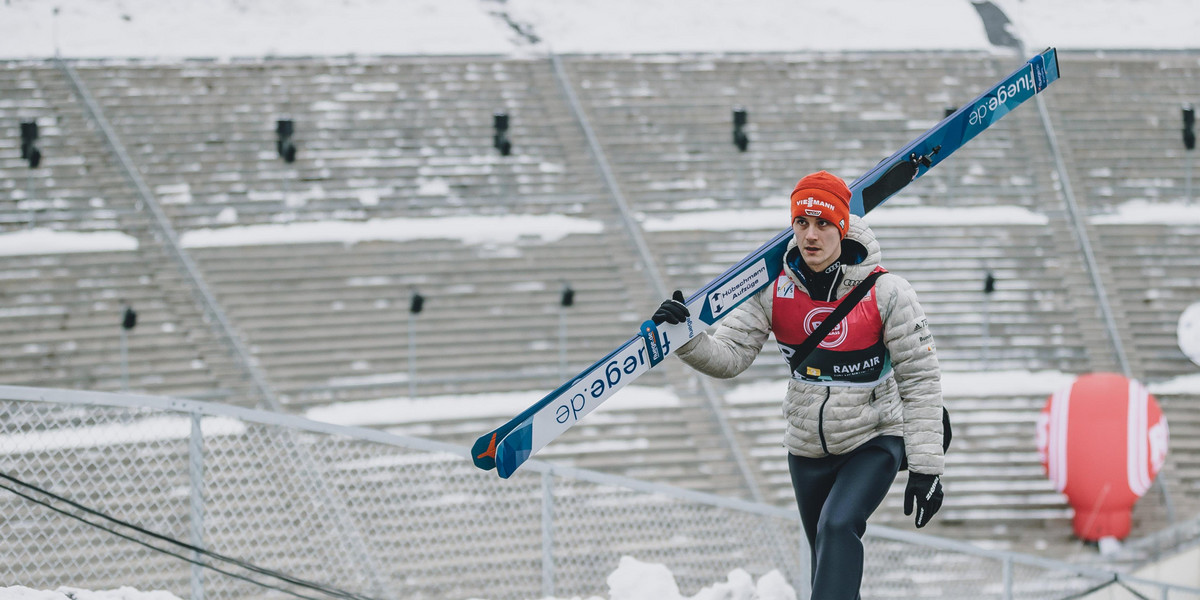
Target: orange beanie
[(823, 195)]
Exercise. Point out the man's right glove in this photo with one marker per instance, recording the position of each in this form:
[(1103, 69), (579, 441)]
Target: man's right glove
[(671, 311), (926, 490)]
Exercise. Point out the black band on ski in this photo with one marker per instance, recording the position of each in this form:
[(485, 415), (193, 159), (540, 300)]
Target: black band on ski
[(899, 175)]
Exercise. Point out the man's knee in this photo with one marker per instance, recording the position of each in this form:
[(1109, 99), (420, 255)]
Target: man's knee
[(839, 523)]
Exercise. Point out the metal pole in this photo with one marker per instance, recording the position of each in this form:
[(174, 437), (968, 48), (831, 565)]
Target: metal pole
[(287, 187), (196, 471), (1187, 163), (949, 182), (412, 355), (507, 174), (124, 361), (548, 533), (1085, 244), (562, 343), (29, 199), (741, 185), (987, 330), (1166, 497), (54, 32), (949, 165), (1007, 576)]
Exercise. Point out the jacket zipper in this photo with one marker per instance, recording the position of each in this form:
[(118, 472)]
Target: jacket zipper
[(821, 422), (832, 296)]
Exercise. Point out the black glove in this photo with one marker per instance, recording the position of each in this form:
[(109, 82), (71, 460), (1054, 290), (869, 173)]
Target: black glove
[(926, 491), (671, 311)]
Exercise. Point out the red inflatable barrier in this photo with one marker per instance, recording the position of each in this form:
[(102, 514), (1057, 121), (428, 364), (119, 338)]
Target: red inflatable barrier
[(1102, 441)]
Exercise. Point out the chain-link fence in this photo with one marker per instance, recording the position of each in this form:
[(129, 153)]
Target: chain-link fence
[(100, 485)]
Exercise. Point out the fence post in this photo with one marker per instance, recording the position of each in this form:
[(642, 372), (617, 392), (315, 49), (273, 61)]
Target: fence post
[(548, 533), (196, 475), (1008, 578)]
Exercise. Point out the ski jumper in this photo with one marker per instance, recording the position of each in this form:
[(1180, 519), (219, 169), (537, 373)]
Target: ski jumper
[(836, 494)]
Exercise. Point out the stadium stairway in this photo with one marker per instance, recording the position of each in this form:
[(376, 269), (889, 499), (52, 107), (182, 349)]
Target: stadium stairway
[(62, 311), (1119, 121)]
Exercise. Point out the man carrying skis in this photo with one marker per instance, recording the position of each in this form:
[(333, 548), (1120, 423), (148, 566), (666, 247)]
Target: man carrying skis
[(865, 403)]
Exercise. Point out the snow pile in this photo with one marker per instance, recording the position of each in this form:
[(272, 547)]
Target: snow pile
[(153, 429), (1003, 383), (1177, 212), (470, 230), (636, 580), (633, 580), (224, 28), (17, 592), (46, 241), (1184, 384)]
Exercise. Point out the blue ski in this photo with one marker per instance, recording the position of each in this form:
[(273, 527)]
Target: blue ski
[(507, 447)]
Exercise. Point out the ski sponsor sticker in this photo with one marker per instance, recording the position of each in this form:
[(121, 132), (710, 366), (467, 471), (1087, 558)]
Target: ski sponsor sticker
[(654, 349), (745, 284), (784, 288), (1039, 74)]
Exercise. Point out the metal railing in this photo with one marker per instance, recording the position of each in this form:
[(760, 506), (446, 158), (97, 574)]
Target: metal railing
[(165, 232), (226, 480)]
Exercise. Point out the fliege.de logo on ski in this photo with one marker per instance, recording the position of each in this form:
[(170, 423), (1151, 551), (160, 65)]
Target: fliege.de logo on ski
[(732, 293), (1019, 88)]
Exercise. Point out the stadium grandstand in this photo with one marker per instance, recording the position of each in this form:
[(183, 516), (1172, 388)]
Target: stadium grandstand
[(298, 250)]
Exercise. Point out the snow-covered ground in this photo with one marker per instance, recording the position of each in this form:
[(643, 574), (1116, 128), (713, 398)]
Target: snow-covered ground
[(228, 28), (18, 592), (632, 580)]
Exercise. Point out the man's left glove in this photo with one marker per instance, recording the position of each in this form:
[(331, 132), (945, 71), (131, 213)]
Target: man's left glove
[(926, 492), (672, 310)]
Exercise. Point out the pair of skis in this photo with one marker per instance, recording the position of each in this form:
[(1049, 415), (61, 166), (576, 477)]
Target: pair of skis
[(507, 447)]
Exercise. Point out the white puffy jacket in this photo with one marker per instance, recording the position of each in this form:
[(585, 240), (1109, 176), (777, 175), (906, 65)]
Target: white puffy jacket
[(824, 420)]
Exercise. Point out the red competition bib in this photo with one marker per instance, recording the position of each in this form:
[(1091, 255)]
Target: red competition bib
[(853, 354)]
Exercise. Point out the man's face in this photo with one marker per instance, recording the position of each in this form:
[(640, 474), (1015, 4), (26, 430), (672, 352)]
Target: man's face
[(819, 241)]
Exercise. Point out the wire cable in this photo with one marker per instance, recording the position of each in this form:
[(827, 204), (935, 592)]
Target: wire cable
[(1114, 581), (324, 589)]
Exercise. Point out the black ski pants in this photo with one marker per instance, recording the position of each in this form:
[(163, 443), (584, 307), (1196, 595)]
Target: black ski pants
[(836, 494)]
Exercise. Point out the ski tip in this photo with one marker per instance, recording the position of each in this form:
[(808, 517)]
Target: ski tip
[(513, 451), (1051, 59), (483, 453)]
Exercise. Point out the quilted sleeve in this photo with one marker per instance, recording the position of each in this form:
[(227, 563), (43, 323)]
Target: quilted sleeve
[(918, 376), (736, 342)]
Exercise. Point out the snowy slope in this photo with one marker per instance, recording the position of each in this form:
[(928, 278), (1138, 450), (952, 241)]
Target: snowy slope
[(229, 28)]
